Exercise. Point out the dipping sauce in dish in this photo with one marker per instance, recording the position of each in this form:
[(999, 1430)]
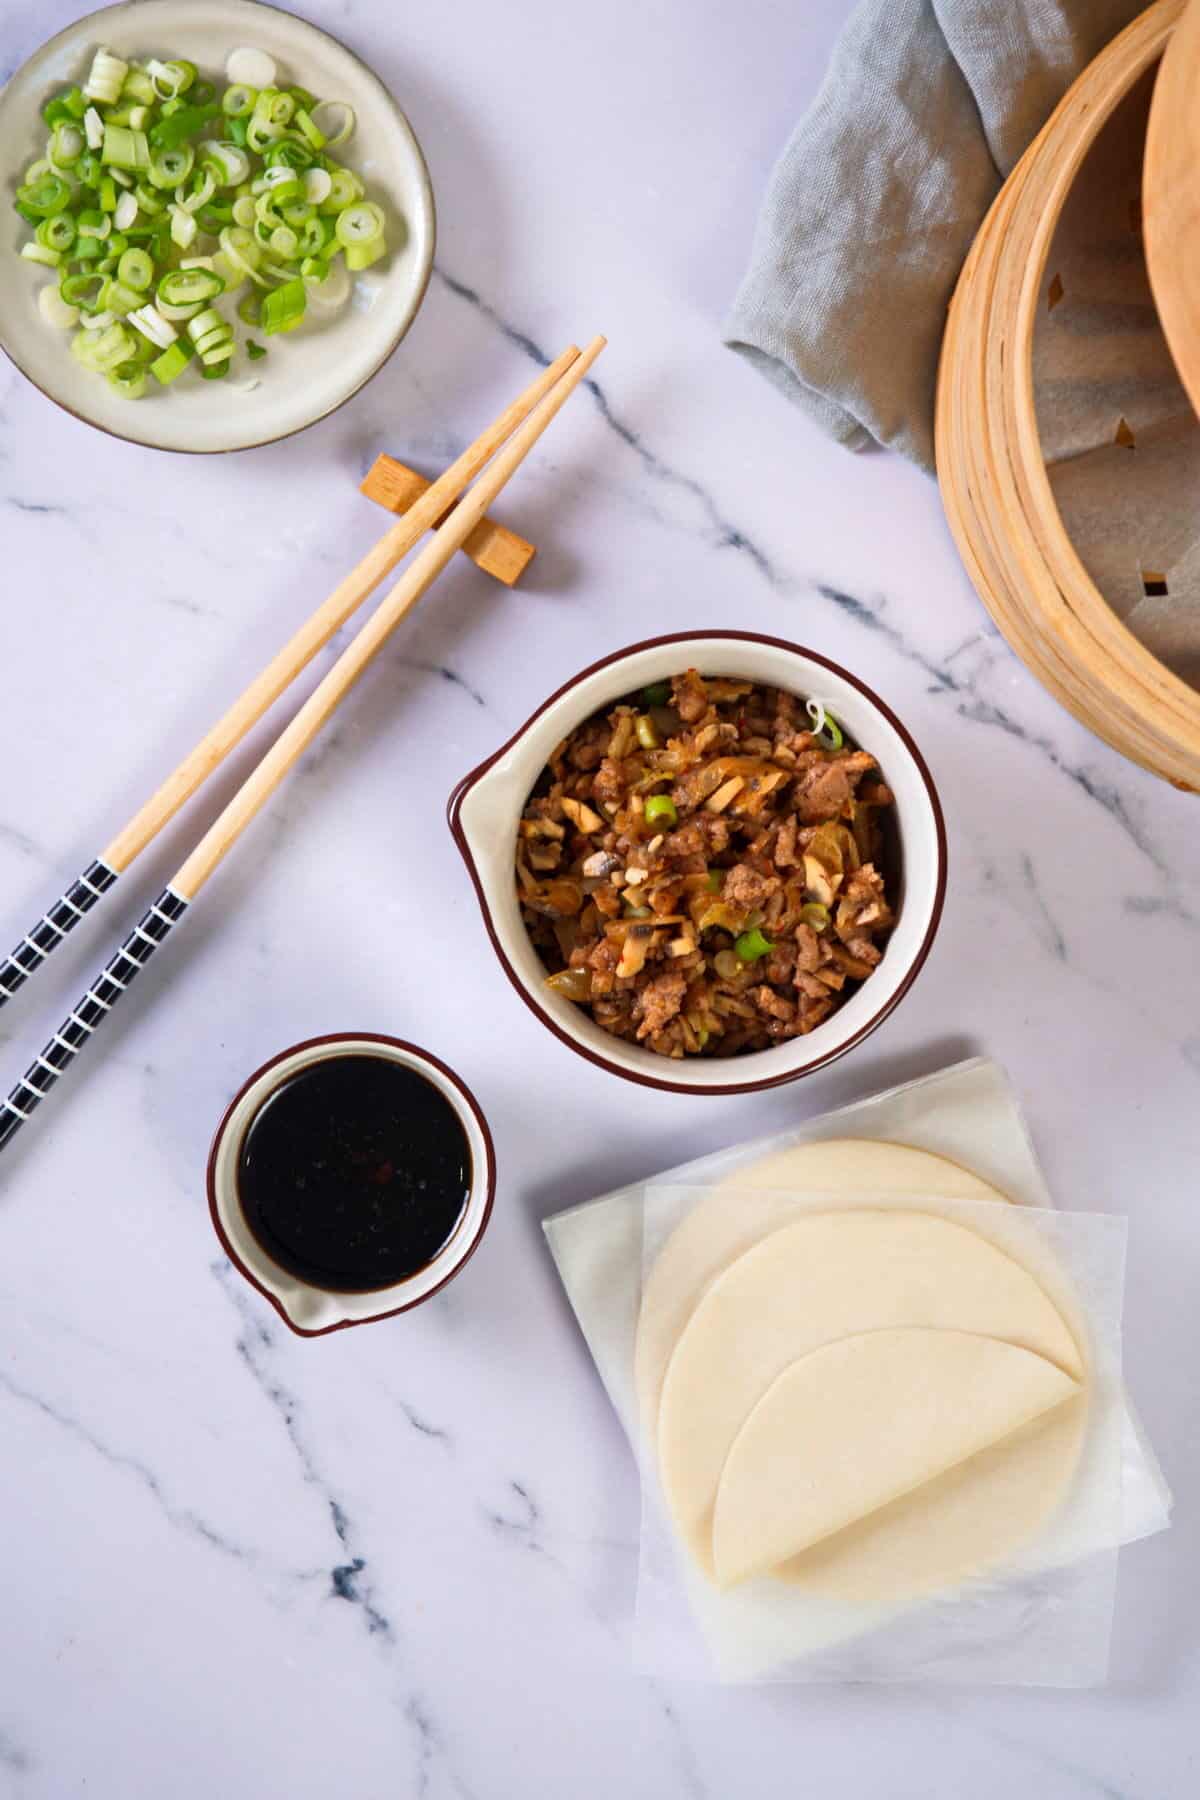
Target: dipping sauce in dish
[(354, 1173)]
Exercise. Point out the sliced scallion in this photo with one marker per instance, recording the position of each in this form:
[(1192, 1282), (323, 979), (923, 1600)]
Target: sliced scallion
[(55, 310), (147, 163), (283, 309), (171, 364)]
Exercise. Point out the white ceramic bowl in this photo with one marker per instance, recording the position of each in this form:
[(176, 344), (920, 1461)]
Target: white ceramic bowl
[(306, 374), (487, 804), (313, 1311)]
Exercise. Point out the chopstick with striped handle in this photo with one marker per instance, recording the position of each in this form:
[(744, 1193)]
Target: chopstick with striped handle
[(280, 672), (156, 925)]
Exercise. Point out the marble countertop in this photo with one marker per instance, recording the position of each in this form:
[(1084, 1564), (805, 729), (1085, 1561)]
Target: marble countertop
[(400, 1561)]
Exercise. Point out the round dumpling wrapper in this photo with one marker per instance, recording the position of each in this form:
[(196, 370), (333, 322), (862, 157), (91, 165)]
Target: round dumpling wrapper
[(826, 1277), (863, 1422), (715, 1232)]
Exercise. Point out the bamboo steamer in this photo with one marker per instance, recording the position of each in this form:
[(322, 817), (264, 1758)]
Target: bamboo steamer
[(1172, 199), (991, 467)]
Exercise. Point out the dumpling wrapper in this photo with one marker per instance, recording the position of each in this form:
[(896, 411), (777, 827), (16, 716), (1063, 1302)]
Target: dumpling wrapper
[(862, 1422), (715, 1233), (825, 1277)]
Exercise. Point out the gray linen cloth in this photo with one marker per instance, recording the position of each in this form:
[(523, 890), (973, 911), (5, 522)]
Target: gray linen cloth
[(872, 207)]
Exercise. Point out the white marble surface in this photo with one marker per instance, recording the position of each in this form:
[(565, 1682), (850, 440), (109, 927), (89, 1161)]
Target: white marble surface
[(398, 1562)]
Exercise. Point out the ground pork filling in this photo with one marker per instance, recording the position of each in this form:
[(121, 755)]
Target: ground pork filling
[(700, 868)]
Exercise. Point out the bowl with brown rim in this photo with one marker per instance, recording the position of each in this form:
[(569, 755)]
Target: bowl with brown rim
[(485, 809)]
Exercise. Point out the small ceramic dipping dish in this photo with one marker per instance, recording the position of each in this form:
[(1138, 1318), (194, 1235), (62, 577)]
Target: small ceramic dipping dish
[(486, 807), (257, 1165)]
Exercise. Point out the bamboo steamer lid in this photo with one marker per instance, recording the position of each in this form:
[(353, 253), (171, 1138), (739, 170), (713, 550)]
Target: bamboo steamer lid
[(1171, 196), (991, 465)]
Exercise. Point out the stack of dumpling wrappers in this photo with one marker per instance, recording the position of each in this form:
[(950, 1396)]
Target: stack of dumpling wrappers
[(873, 1383)]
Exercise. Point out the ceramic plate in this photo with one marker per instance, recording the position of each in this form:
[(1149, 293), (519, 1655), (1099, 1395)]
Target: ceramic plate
[(306, 375)]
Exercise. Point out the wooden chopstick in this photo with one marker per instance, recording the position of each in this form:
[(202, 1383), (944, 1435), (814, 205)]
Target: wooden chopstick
[(208, 755), (492, 547), (159, 920)]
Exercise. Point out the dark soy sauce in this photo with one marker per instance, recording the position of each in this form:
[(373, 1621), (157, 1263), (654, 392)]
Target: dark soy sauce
[(354, 1174)]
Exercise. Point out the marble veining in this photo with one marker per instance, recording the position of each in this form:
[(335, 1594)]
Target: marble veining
[(401, 1561)]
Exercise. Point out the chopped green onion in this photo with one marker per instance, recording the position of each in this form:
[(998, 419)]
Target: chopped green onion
[(82, 290), (284, 242), (170, 168), (171, 363), (129, 379), (318, 184), (124, 148), (661, 807), (66, 144), (283, 309), (138, 86), (253, 67), (212, 336), (183, 287), (363, 256), (336, 130), (140, 161), (238, 100), (313, 134), (814, 914), (136, 270), (345, 189), (260, 133), (201, 192), (55, 310), (826, 729), (657, 694), (713, 881), (360, 224), (229, 163), (643, 725), (119, 299), (104, 347), (57, 232), (65, 107), (105, 78), (289, 153), (46, 196), (179, 126), (183, 227), (152, 325), (751, 945)]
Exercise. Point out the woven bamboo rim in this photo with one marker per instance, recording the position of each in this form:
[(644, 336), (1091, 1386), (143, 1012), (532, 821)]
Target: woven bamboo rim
[(1171, 199), (994, 481)]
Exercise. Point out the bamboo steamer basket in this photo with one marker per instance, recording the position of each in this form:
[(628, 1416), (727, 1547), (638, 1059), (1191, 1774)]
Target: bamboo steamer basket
[(994, 480), (1172, 199)]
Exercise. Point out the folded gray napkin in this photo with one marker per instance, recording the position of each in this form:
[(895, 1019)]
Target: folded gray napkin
[(872, 207)]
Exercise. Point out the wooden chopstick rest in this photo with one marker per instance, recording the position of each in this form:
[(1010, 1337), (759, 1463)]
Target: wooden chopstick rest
[(493, 548)]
